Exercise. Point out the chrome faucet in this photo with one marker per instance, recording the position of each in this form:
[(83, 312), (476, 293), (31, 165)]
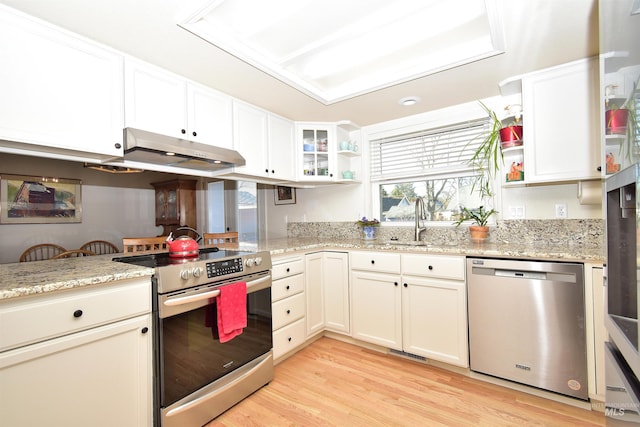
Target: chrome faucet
[(421, 213)]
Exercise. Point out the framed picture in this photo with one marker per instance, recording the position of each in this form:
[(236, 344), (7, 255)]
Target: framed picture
[(285, 195), (39, 200)]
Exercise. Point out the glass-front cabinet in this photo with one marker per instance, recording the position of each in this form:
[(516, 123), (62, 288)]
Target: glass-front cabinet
[(328, 152), (316, 145)]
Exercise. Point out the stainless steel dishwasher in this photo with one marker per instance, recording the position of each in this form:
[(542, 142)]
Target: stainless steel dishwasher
[(526, 323)]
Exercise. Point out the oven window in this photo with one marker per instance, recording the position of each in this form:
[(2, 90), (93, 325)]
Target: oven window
[(192, 355)]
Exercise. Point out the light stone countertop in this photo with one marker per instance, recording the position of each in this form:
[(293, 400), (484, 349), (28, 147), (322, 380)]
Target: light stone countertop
[(39, 277)]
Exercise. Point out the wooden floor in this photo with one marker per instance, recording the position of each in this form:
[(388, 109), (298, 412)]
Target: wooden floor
[(331, 383)]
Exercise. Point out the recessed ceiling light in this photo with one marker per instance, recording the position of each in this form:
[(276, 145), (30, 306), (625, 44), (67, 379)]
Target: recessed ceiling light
[(409, 100)]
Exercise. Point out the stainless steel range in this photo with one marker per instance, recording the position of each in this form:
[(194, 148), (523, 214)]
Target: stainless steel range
[(197, 377)]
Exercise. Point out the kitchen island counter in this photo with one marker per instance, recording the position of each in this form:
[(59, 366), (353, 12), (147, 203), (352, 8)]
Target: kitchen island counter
[(39, 277)]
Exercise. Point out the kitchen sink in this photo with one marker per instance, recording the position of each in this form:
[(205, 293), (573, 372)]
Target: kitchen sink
[(406, 243)]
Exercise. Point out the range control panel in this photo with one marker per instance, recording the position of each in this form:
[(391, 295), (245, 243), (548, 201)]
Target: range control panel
[(223, 268)]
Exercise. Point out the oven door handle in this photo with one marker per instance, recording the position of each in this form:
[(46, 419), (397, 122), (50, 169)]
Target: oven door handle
[(172, 302)]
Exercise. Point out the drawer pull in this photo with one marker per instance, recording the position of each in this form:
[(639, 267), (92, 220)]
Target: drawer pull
[(77, 313), (288, 287), (395, 283), (288, 311), (373, 261), (144, 330), (288, 269), (405, 285), (289, 339), (430, 267)]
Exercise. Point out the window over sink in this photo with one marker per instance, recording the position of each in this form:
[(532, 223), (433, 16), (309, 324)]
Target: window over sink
[(431, 164)]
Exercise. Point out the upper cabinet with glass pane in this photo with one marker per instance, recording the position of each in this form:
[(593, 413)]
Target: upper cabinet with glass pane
[(328, 152)]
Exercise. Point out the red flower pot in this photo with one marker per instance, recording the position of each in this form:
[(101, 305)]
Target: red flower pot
[(616, 121), (511, 136)]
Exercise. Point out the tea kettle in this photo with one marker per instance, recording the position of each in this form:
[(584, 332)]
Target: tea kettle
[(182, 247)]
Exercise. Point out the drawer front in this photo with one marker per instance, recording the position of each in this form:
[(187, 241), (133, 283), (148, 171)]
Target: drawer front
[(375, 261), (288, 338), (288, 310), (44, 317), (287, 287), (287, 268), (440, 266)]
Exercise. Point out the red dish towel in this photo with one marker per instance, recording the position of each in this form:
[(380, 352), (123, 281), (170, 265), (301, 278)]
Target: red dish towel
[(232, 310)]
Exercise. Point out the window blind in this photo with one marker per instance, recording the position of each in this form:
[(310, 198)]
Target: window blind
[(439, 151)]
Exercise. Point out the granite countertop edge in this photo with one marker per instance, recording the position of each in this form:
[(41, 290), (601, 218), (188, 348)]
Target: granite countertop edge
[(41, 277)]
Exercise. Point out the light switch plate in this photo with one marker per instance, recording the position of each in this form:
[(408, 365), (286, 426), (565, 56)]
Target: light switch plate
[(516, 212)]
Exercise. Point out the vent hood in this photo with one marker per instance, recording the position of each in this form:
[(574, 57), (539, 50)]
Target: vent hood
[(152, 148)]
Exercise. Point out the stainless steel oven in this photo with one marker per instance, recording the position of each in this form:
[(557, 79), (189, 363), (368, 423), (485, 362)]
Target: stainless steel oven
[(622, 297), (197, 377)]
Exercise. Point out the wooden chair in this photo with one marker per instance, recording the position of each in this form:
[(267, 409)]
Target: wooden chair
[(100, 247), (40, 252), (144, 244), (74, 253), (221, 240)]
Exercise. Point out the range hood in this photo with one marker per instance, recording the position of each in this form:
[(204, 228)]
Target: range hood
[(152, 148)]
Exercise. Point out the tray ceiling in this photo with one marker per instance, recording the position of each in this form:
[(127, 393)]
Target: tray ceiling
[(334, 50)]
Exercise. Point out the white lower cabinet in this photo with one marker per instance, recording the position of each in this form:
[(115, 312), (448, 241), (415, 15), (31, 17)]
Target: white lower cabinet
[(289, 310), (416, 304), (99, 376), (327, 289)]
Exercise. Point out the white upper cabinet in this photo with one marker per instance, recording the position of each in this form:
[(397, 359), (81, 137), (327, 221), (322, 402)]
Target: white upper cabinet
[(60, 93), (265, 142), (161, 102), (562, 130)]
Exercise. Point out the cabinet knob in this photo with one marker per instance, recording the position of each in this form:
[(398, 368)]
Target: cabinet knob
[(395, 283), (430, 267), (289, 339), (373, 261), (288, 287), (405, 285), (144, 330), (288, 269), (331, 175), (288, 311), (272, 171), (194, 133), (599, 168), (266, 171), (183, 131), (118, 145), (77, 313)]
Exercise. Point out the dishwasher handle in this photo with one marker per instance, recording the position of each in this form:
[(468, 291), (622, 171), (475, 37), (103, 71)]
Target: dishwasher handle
[(520, 274)]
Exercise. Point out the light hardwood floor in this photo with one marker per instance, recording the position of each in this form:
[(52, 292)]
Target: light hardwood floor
[(332, 383)]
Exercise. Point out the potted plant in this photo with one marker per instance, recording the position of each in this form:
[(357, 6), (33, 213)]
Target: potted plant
[(368, 227), (479, 230)]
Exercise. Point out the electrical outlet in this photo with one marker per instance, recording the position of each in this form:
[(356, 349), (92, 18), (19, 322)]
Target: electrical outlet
[(516, 212), (561, 210)]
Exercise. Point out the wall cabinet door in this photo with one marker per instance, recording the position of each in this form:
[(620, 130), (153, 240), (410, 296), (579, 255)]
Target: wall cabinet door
[(250, 135), (316, 145), (155, 100), (562, 126), (161, 102), (98, 377), (58, 91), (376, 308), (434, 319), (282, 152), (209, 116)]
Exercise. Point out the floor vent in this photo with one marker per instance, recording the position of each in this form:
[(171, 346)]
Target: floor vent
[(409, 355)]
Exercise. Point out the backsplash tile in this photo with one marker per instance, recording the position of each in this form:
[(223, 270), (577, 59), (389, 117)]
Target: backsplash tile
[(582, 232)]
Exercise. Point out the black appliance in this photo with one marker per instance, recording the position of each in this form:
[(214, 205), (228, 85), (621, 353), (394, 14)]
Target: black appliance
[(197, 377)]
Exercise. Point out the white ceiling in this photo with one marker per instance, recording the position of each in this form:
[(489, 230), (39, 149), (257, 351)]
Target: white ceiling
[(369, 45), (537, 34)]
